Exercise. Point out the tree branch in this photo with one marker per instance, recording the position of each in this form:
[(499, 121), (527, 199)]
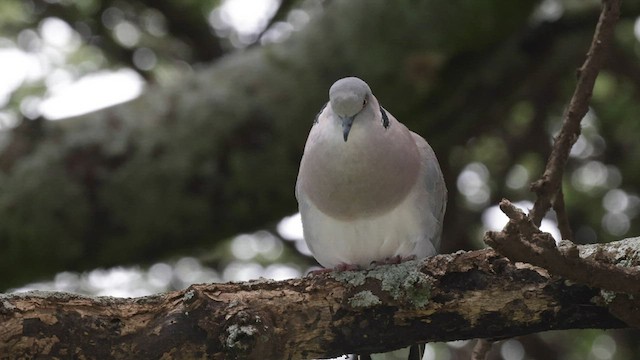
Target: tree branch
[(446, 297), (547, 186), (521, 240)]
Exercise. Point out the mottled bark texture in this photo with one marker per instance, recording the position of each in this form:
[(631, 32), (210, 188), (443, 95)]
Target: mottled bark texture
[(447, 297)]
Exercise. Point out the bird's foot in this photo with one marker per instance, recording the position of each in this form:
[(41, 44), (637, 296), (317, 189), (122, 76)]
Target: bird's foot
[(393, 260), (339, 267), (347, 267)]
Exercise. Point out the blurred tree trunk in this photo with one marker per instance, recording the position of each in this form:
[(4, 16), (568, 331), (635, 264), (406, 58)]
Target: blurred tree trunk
[(217, 152)]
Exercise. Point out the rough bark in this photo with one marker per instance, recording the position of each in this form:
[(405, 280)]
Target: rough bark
[(447, 297)]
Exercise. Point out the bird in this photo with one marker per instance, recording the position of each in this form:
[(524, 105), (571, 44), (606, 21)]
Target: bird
[(369, 190)]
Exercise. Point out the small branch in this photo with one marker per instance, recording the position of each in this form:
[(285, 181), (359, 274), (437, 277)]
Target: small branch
[(547, 186), (523, 241), (561, 215), (445, 297)]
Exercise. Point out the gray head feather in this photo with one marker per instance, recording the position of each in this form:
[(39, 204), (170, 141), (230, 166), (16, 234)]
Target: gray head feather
[(348, 96)]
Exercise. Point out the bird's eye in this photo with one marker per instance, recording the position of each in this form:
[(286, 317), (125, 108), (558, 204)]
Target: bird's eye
[(364, 102)]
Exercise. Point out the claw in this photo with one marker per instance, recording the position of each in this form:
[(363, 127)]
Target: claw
[(339, 267)]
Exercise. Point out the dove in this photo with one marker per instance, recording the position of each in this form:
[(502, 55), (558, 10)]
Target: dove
[(369, 190)]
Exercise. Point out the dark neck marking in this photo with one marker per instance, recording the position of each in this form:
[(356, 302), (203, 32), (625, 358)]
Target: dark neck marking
[(315, 120), (385, 118)]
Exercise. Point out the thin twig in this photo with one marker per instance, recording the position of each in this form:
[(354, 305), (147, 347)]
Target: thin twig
[(562, 217), (547, 186)]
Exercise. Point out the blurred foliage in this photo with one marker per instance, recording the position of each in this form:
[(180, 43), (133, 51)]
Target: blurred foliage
[(488, 82)]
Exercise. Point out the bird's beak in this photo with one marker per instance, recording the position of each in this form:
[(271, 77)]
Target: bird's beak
[(347, 121)]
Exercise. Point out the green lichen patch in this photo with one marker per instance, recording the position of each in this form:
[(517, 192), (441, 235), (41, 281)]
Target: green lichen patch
[(607, 296), (627, 252), (624, 252), (238, 335), (353, 278), (188, 295), (364, 299), (404, 282)]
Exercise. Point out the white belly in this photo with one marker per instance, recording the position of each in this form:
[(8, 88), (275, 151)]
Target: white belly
[(404, 231)]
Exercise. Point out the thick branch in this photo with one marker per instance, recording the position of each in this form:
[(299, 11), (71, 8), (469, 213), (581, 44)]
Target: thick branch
[(547, 187), (447, 297)]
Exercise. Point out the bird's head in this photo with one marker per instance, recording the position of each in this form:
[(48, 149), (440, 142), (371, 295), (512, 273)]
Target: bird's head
[(348, 97)]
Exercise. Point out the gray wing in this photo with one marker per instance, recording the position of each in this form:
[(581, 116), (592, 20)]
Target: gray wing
[(434, 184)]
